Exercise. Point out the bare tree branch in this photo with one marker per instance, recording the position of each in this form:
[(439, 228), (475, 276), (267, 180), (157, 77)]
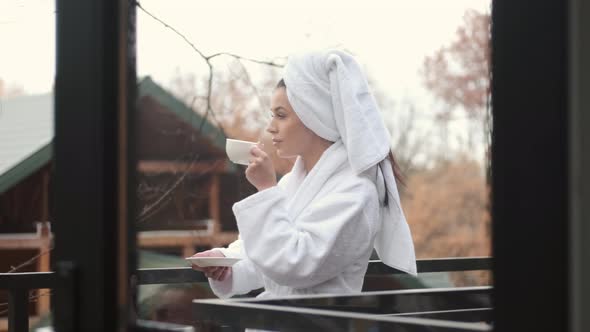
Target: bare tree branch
[(14, 269), (30, 261), (206, 58), (239, 57), (152, 209), (147, 212), (156, 206), (171, 28), (249, 80)]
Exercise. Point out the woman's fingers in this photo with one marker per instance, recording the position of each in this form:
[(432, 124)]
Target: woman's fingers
[(226, 273), (202, 269), (218, 273), (198, 268), (253, 162), (210, 271), (257, 152), (206, 253)]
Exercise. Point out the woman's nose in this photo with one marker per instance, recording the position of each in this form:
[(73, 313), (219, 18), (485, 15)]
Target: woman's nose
[(271, 128)]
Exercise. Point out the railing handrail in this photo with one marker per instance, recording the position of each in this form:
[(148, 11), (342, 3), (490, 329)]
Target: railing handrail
[(173, 275), (28, 280), (449, 264), (376, 267)]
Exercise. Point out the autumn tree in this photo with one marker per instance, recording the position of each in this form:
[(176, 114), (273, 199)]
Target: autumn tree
[(447, 209), (459, 73), (447, 205)]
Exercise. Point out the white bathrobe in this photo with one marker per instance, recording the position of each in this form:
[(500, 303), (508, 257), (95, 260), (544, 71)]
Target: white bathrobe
[(310, 234)]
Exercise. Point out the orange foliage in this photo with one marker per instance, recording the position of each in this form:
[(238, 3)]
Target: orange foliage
[(448, 210)]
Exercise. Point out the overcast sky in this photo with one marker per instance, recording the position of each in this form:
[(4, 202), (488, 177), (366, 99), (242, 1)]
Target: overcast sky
[(391, 38)]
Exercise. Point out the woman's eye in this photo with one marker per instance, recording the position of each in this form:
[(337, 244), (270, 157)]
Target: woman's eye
[(278, 115)]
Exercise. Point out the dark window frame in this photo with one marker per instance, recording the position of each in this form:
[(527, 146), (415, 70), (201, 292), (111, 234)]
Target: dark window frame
[(540, 53)]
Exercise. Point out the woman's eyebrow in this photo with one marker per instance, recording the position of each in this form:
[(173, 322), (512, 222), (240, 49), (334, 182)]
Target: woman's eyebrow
[(278, 108)]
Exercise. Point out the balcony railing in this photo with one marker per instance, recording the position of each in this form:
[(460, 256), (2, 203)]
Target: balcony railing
[(443, 309), (439, 309)]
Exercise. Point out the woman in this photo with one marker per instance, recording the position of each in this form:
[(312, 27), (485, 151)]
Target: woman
[(314, 231)]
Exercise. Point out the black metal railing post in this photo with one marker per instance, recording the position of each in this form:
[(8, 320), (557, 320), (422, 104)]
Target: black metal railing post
[(18, 309), (65, 305), (18, 286)]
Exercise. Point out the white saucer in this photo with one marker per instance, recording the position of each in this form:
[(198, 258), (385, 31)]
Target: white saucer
[(213, 261)]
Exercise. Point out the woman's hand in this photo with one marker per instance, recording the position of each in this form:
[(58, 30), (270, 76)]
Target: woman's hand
[(219, 273), (260, 172)]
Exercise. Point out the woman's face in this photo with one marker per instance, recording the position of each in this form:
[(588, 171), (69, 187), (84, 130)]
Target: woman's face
[(289, 136)]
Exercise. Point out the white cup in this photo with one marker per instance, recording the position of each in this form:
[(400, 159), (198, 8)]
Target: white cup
[(239, 151)]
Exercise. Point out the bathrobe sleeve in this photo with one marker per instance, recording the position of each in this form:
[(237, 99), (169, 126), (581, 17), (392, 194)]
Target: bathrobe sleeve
[(244, 278), (332, 233), (234, 250)]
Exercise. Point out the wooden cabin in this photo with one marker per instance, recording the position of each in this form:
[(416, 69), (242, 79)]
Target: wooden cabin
[(186, 185), (176, 143)]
